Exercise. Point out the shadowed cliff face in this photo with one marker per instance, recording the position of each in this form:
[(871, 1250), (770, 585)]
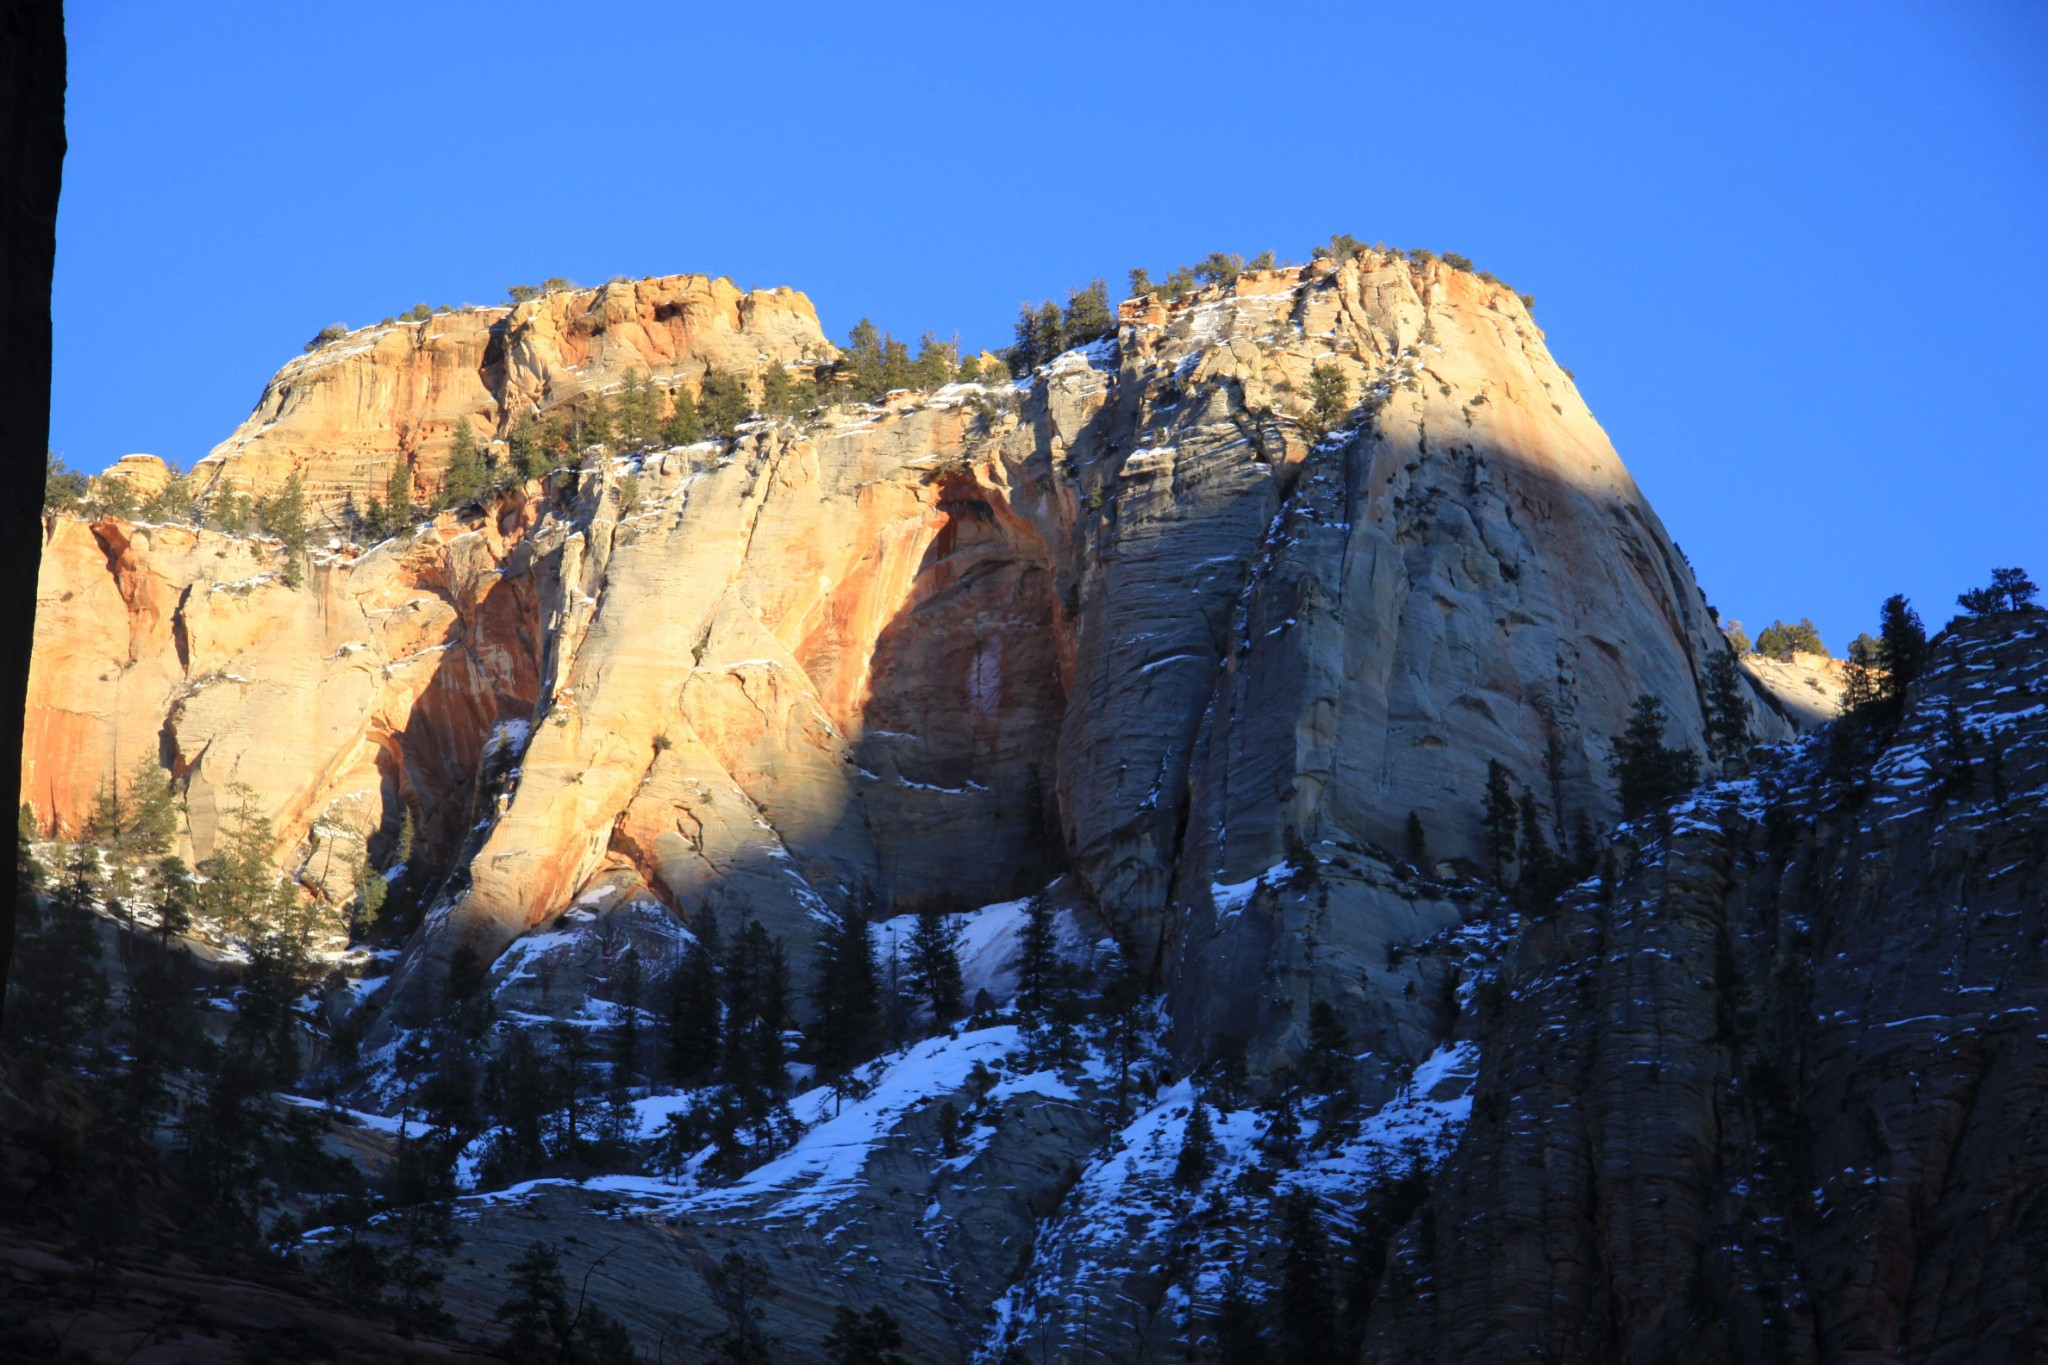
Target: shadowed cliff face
[(1779, 1094), (1120, 621)]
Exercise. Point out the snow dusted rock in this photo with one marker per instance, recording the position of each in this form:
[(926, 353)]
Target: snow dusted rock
[(1117, 620), (871, 1206), (1780, 1093)]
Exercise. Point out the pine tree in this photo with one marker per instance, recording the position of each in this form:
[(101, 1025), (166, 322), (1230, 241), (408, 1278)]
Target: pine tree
[(1727, 709), (1329, 397), (1780, 641), (869, 1338), (624, 984), (1049, 337), (1038, 966), (59, 992), (284, 516), (1281, 1141), (722, 402), (466, 476), (1306, 1300), (694, 1012), (536, 1311), (933, 368), (935, 964), (1197, 1156), (847, 993), (1901, 653), (775, 392), (519, 1091), (1540, 880), (1957, 781), (862, 362), (1498, 816), (1328, 1060), (1239, 1334), (175, 898), (757, 1013), (1087, 317), (682, 427), (241, 882), (398, 505), (136, 819), (1650, 775), (639, 422), (897, 372), (596, 424), (1418, 843), (524, 451)]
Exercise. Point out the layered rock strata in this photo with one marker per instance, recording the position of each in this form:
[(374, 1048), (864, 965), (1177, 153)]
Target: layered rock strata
[(1781, 1091), (345, 415), (1121, 620)]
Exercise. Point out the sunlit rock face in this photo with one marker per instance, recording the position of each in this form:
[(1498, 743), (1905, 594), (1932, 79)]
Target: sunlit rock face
[(1119, 624), (346, 414)]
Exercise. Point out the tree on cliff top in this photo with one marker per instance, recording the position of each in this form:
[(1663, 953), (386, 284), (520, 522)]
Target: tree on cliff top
[(2010, 590), (1780, 641)]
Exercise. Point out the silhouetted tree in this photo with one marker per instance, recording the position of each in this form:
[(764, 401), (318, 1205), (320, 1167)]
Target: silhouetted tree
[(1197, 1155), (1727, 709), (695, 1025), (1306, 1300), (1497, 816), (935, 963), (847, 994), (869, 1338), (1650, 774)]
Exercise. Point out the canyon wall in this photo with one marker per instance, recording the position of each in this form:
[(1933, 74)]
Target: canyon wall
[(1118, 624), (1776, 1091), (346, 414)]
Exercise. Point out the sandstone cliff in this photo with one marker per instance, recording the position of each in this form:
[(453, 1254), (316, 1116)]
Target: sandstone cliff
[(1119, 620), (345, 415), (1118, 634)]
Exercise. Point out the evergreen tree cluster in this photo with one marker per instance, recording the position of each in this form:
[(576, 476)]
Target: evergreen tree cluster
[(1330, 1276), (1049, 330), (1650, 773), (543, 1326), (283, 514), (1780, 641)]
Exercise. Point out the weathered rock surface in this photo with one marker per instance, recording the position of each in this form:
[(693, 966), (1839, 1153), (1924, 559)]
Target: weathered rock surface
[(345, 415), (1782, 1093), (367, 692), (1808, 687), (1122, 621)]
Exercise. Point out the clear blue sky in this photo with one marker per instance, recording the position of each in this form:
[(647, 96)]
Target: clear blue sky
[(1793, 252)]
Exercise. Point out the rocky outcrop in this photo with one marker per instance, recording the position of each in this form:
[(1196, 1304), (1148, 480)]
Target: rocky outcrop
[(1777, 1091), (340, 705), (145, 476), (1807, 687), (1120, 620), (348, 413)]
